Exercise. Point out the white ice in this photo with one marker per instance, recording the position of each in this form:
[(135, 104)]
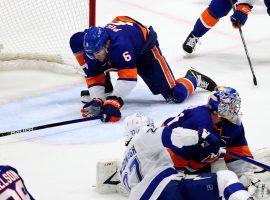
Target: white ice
[(60, 163)]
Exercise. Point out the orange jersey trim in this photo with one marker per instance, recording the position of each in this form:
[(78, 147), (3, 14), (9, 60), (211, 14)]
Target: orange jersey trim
[(165, 68), (127, 19), (80, 58), (242, 151), (178, 161), (128, 73), (195, 165), (244, 9), (207, 19), (100, 79), (189, 85)]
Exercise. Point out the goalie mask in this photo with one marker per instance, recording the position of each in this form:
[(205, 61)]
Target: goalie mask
[(225, 102), (95, 39), (134, 122)]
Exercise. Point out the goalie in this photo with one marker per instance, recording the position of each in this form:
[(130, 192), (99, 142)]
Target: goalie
[(221, 117), (147, 170)]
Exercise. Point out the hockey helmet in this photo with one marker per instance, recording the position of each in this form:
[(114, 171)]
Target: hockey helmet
[(134, 123), (95, 39), (225, 102)]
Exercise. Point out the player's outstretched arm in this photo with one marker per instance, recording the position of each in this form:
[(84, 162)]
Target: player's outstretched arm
[(240, 14)]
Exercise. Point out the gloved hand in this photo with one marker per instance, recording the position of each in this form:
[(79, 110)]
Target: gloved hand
[(256, 187), (111, 109), (240, 15), (267, 4), (259, 189), (209, 146), (93, 108)]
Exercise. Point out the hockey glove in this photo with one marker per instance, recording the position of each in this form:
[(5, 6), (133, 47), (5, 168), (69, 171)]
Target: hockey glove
[(256, 187), (240, 15), (111, 109), (267, 4), (93, 108), (209, 146)]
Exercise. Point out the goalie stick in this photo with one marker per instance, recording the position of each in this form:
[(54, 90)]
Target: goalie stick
[(249, 160), (24, 130)]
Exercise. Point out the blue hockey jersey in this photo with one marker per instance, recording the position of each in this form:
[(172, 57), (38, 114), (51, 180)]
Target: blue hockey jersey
[(232, 137), (12, 185)]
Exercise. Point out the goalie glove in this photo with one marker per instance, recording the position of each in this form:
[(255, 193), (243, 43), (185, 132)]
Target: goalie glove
[(209, 146), (256, 187), (240, 15)]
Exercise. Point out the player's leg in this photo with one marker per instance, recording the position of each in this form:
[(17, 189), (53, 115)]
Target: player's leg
[(213, 186), (172, 191), (156, 73), (202, 80), (208, 19)]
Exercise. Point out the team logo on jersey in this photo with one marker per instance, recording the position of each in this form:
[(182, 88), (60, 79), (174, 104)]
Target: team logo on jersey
[(197, 177), (109, 181)]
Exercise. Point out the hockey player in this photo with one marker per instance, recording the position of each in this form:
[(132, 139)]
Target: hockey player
[(131, 49), (147, 169), (221, 117), (12, 185), (211, 15)]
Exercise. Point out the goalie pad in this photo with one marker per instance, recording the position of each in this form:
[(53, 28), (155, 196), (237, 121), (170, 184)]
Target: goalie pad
[(107, 178)]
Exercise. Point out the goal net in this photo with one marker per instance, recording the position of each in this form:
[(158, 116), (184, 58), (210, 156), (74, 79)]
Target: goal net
[(35, 33)]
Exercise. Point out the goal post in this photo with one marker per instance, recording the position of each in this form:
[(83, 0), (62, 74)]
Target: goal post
[(37, 32), (92, 13)]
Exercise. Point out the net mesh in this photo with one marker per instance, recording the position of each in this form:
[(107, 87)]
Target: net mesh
[(34, 29)]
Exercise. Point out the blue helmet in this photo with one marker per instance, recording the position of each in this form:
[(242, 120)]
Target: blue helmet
[(225, 102), (95, 39)]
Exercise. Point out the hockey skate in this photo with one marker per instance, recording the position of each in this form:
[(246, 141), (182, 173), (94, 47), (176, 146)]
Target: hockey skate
[(190, 43), (203, 81)]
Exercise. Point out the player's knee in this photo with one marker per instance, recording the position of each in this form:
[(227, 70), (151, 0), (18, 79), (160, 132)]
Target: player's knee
[(76, 42)]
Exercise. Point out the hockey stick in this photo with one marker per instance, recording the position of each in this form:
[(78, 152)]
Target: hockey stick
[(24, 130), (247, 159), (245, 47)]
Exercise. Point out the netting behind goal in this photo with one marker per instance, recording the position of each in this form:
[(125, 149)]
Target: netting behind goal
[(39, 31)]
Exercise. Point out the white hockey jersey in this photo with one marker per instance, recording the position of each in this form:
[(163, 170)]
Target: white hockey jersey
[(146, 159)]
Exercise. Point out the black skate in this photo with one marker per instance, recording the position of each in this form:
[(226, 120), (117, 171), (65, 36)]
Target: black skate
[(190, 43), (203, 81)]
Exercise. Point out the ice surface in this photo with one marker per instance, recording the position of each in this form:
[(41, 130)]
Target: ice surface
[(59, 163)]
